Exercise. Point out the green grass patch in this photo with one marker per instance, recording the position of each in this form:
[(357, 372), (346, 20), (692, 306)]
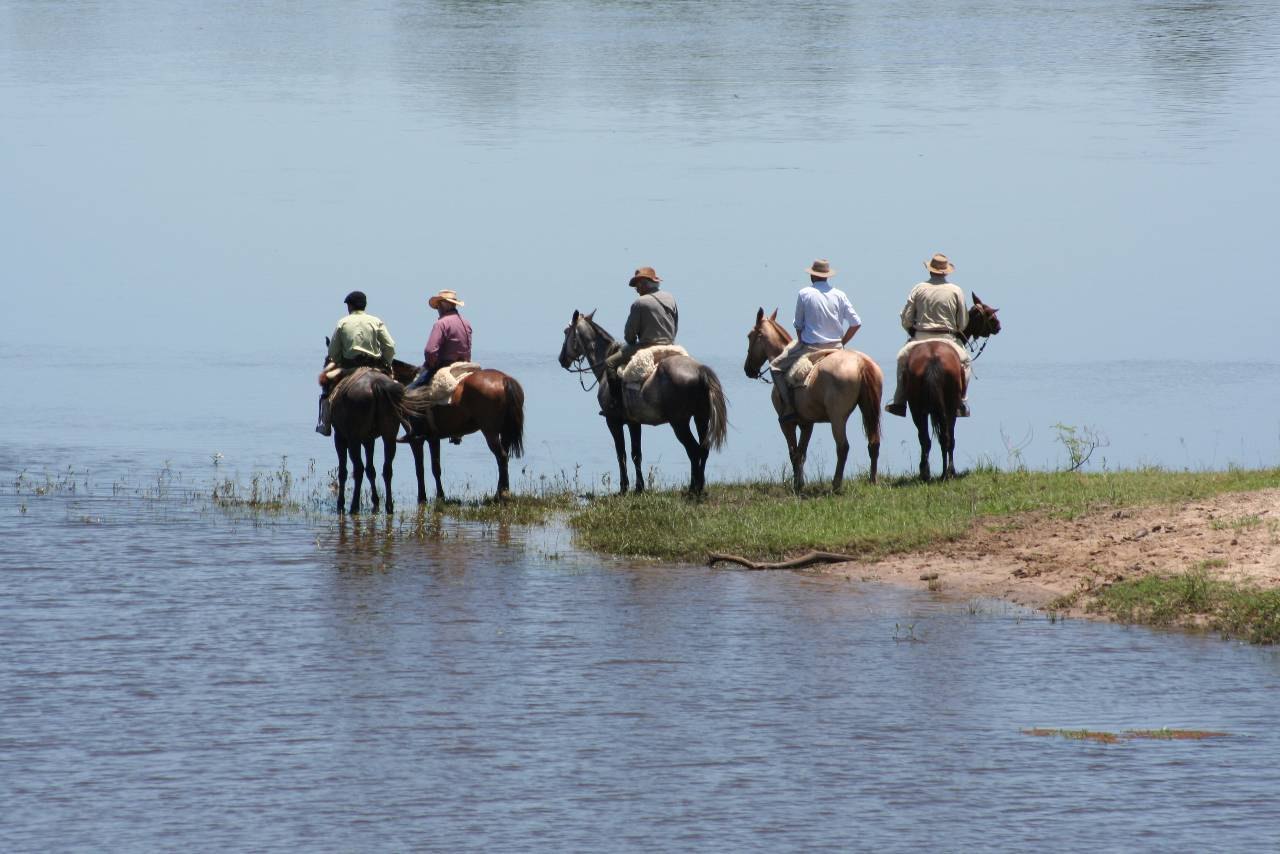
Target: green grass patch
[(765, 521), (1193, 599)]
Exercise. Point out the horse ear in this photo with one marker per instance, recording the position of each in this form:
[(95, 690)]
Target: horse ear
[(976, 301), (576, 314), (759, 315), (774, 316), (591, 314), (326, 340)]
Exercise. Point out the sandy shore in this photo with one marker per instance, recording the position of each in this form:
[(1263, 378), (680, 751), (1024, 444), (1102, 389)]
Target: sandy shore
[(1034, 560)]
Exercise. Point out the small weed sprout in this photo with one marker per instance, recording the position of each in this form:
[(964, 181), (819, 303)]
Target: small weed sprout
[(1080, 443)]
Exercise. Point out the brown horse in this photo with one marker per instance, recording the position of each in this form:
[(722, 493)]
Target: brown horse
[(365, 406), (681, 389), (486, 400), (841, 381), (935, 385)]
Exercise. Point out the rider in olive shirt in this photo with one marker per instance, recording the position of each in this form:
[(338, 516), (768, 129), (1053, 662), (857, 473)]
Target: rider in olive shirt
[(360, 340)]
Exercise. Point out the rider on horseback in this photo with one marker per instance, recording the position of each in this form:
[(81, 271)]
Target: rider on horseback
[(935, 309), (653, 320), (359, 340), (825, 320), (449, 343)]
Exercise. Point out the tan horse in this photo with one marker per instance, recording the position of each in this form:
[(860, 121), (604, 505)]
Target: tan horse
[(841, 381)]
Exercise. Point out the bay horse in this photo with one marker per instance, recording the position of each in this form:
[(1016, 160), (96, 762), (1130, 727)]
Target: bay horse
[(935, 385), (681, 389), (842, 381), (487, 401), (364, 406)]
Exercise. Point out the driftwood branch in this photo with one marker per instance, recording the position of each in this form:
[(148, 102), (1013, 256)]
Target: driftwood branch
[(794, 563)]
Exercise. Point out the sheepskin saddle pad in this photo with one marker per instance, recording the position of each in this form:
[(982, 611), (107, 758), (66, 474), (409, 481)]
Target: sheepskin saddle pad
[(645, 362)]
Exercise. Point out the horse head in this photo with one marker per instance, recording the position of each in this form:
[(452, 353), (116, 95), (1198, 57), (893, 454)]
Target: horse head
[(982, 320), (579, 336), (764, 342)]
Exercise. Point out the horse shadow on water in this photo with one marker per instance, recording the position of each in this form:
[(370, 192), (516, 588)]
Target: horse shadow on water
[(679, 391), (367, 405)]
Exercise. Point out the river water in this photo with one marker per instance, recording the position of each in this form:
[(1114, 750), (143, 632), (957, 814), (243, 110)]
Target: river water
[(190, 191)]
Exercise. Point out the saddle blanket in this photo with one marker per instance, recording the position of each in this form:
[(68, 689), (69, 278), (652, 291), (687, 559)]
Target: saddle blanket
[(803, 368), (441, 387), (922, 338), (645, 362)]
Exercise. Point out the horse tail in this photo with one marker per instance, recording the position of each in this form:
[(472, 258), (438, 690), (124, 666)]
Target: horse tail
[(718, 414), (869, 393), (512, 430), (935, 384), (388, 398)]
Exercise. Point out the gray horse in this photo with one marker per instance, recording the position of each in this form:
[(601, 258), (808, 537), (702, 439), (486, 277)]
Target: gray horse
[(681, 389)]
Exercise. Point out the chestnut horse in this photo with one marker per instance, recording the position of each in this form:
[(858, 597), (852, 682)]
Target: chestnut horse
[(486, 400), (841, 381), (365, 406), (935, 384), (681, 389)]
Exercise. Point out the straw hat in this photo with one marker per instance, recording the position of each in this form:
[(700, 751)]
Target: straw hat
[(445, 296), (940, 265), (821, 268), (644, 273)]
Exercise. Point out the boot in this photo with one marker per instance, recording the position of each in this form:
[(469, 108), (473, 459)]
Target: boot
[(615, 395), (786, 396), (322, 422), (898, 406)]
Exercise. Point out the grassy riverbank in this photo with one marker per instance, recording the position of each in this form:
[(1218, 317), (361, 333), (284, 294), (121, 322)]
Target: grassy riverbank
[(765, 520)]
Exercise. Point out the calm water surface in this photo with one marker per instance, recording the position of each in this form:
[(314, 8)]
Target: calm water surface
[(190, 190), (173, 678)]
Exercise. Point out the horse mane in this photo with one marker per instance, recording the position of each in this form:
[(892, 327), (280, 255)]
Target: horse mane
[(780, 329)]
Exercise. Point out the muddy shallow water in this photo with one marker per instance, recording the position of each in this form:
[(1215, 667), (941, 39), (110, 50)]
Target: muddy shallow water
[(177, 676)]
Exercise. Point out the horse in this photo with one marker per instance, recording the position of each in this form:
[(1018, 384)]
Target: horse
[(843, 380), (485, 400), (935, 385), (679, 390), (364, 406)]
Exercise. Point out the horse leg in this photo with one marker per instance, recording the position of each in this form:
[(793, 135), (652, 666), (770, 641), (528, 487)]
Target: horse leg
[(838, 433), (636, 457), (434, 444), (495, 448), (388, 455), (341, 448), (802, 454), (949, 445), (372, 472), (357, 475), (620, 445), (921, 417), (694, 451), (702, 421), (416, 447)]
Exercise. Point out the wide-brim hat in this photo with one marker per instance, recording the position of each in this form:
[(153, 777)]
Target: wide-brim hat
[(445, 296), (821, 268), (940, 265), (644, 273)]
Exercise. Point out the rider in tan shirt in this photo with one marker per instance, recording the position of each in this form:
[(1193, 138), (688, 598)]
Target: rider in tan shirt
[(934, 309)]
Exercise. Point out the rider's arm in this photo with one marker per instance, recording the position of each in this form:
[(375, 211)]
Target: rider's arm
[(431, 354), (849, 333), (335, 345), (387, 343), (962, 315), (798, 323), (631, 333), (908, 316), (851, 320)]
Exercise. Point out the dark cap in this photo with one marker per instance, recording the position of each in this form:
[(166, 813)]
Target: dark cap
[(357, 300)]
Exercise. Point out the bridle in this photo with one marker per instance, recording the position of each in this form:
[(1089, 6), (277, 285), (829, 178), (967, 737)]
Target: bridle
[(764, 375), (986, 338), (586, 366)]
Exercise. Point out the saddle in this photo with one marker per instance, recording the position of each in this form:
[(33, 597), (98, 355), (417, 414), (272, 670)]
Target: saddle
[(802, 370), (440, 390), (646, 360), (332, 375)]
